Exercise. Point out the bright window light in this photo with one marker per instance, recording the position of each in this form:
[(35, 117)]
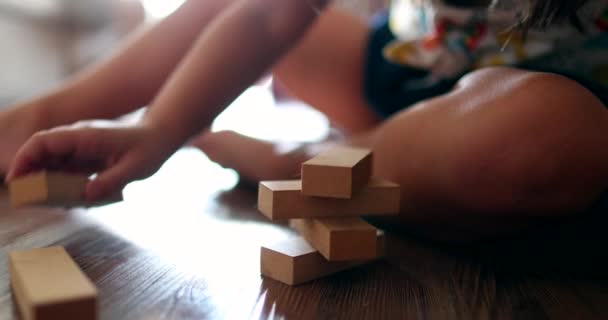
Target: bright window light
[(158, 9)]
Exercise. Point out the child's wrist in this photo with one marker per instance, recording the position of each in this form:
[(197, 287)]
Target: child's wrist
[(48, 108), (170, 138), (36, 114), (57, 108)]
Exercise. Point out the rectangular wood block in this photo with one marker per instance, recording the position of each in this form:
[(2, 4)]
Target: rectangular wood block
[(294, 261), (279, 200), (47, 284), (339, 239), (337, 173), (53, 189)]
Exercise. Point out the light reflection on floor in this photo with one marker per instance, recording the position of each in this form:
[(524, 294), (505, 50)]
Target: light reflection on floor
[(176, 215), (255, 114)]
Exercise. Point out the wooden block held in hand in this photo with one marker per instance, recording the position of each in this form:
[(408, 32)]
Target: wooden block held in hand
[(47, 284), (339, 239), (279, 200), (294, 261), (337, 173), (53, 189)]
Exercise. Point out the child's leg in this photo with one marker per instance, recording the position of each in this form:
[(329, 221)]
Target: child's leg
[(326, 70), (503, 149)]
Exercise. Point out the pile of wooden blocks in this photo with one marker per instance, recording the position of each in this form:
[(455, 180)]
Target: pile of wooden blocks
[(46, 282), (325, 208)]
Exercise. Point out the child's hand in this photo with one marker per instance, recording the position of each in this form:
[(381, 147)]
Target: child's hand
[(118, 153)]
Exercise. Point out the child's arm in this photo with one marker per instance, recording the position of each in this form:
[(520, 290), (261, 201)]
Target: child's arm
[(233, 52), (240, 45), (126, 80)]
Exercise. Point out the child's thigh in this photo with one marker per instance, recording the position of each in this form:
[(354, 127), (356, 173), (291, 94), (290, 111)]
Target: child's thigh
[(504, 142), (326, 70)]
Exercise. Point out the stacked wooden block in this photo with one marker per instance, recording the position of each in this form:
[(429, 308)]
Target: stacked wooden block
[(325, 208)]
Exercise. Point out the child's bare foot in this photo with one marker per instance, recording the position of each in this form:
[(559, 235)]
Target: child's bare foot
[(254, 159)]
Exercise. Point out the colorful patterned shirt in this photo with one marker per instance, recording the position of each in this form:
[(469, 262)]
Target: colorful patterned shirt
[(450, 41)]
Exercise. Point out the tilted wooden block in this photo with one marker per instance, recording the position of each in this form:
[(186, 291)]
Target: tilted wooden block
[(283, 200), (47, 284), (294, 261), (337, 173), (52, 188), (339, 239)]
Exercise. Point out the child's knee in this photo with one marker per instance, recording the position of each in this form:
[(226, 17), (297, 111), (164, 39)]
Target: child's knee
[(507, 142), (543, 151)]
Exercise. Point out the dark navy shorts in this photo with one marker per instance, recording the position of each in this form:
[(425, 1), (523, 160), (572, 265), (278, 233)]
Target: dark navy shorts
[(390, 87)]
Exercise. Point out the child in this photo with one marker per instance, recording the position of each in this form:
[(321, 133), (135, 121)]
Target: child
[(477, 151)]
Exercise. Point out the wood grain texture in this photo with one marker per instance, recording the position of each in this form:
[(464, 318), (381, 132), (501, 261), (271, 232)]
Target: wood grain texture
[(162, 254), (339, 239), (279, 200), (337, 173)]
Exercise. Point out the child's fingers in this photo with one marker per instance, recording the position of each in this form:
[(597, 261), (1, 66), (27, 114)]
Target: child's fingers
[(27, 157), (22, 161), (113, 179), (41, 151)]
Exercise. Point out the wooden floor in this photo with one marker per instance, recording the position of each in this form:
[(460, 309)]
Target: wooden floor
[(185, 245)]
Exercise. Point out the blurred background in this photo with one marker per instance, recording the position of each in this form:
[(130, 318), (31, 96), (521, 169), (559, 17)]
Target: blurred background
[(45, 41)]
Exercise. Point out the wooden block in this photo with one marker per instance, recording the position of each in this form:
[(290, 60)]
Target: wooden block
[(339, 239), (47, 284), (53, 189), (294, 261), (283, 200), (337, 173)]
